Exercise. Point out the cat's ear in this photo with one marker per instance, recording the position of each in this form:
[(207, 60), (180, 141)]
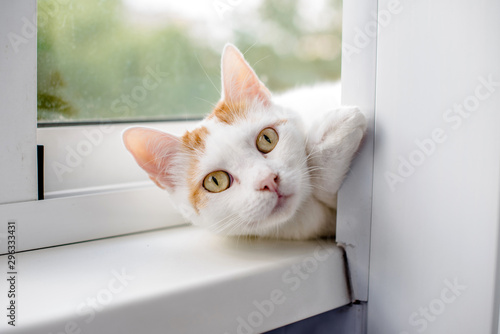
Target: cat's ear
[(154, 151), (239, 81)]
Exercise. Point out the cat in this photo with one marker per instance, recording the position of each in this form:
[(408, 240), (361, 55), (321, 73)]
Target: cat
[(257, 165)]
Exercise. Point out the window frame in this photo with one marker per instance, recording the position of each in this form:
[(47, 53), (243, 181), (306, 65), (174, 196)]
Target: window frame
[(76, 158), (354, 205), (18, 177), (105, 210), (77, 213)]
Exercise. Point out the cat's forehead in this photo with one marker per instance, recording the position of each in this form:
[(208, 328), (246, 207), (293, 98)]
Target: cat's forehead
[(230, 130), (230, 113), (241, 126), (245, 112), (195, 140), (226, 122)]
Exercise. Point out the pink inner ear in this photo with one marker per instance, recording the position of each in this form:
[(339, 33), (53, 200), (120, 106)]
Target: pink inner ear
[(240, 83), (153, 151)]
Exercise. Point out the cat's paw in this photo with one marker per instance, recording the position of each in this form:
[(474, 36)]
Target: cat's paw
[(341, 129), (332, 143)]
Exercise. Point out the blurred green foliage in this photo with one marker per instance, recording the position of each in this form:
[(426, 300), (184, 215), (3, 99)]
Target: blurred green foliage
[(95, 62)]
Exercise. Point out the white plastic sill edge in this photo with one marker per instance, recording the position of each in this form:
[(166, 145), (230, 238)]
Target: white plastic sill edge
[(178, 280), (66, 220)]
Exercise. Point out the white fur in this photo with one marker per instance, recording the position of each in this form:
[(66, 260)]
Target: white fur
[(243, 209), (317, 141)]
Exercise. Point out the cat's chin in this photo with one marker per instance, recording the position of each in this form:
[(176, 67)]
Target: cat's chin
[(284, 209), (283, 205)]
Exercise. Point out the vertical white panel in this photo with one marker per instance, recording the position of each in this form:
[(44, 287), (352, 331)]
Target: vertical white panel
[(18, 179), (358, 88), (436, 200)]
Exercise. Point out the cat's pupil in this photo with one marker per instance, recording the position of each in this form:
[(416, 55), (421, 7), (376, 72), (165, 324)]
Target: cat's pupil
[(267, 139), (215, 180)]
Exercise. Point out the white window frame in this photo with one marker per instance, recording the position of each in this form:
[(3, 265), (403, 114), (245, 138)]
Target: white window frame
[(18, 181), (74, 212), (354, 213), (130, 203)]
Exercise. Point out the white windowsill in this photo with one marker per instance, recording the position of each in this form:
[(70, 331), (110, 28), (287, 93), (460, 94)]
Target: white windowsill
[(185, 280)]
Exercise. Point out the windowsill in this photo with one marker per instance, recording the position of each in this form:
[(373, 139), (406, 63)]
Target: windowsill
[(182, 279)]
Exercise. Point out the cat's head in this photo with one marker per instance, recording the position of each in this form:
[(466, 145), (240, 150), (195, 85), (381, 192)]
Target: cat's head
[(243, 170)]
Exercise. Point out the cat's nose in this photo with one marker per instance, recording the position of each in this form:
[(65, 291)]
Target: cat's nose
[(269, 183)]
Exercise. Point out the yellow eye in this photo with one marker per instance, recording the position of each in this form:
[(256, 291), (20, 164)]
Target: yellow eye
[(267, 140), (216, 182)]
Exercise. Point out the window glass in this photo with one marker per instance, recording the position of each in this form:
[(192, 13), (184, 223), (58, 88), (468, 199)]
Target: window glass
[(156, 59)]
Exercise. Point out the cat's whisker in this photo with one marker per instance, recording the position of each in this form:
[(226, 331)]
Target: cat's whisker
[(310, 173), (199, 98), (204, 71), (261, 60), (315, 168), (251, 46), (220, 225), (319, 188), (230, 224), (316, 186), (314, 151), (233, 225)]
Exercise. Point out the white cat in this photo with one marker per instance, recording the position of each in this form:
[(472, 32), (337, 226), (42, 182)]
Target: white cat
[(257, 165)]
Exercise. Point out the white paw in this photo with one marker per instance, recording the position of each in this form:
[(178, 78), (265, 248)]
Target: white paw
[(332, 143), (342, 128)]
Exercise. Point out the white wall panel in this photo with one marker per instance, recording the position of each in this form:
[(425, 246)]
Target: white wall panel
[(434, 246)]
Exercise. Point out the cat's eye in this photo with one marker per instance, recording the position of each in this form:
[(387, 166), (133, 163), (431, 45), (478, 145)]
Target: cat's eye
[(216, 182), (267, 140)]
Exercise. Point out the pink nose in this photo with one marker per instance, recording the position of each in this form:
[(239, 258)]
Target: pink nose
[(270, 183)]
